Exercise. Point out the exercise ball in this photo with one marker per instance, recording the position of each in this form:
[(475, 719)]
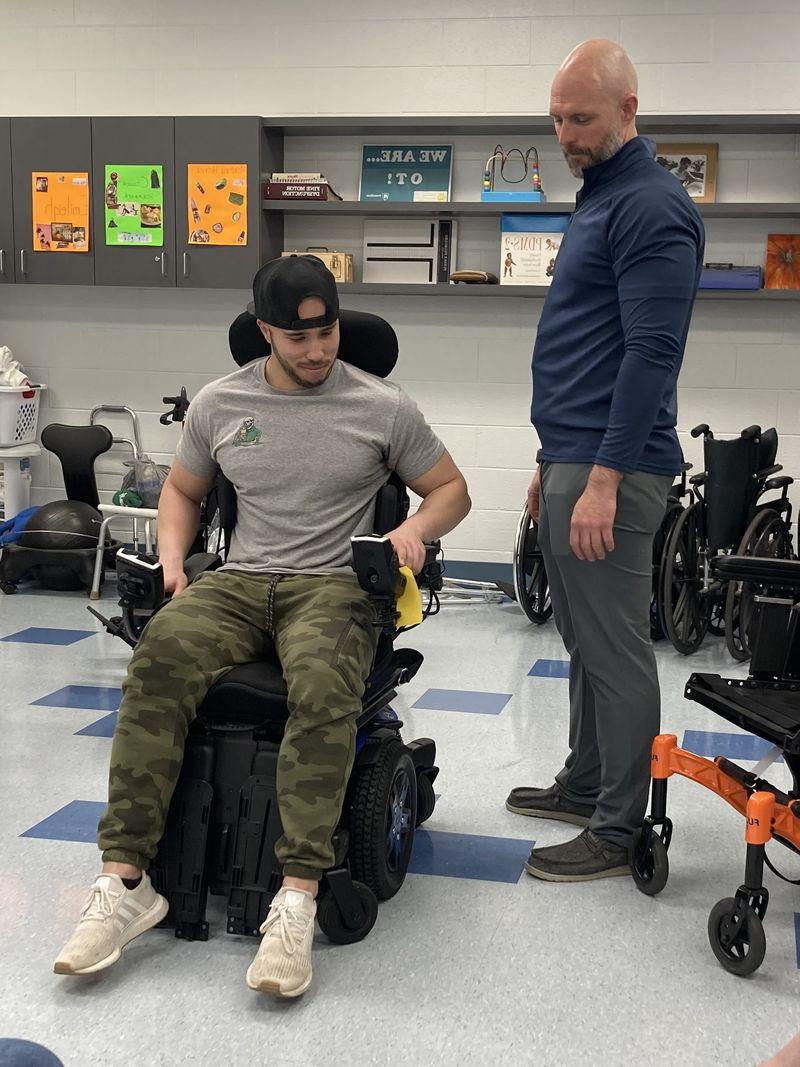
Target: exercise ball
[(63, 525)]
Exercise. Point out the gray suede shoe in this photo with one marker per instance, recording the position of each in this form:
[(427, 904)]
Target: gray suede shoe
[(548, 803), (585, 857)]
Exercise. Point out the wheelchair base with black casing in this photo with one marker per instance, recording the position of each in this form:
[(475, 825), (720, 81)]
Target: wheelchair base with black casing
[(767, 704), (223, 821)]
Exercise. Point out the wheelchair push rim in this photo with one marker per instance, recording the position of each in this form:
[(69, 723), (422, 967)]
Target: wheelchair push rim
[(767, 536), (530, 577), (658, 627), (687, 605)]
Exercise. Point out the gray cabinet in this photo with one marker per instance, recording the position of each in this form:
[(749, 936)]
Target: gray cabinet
[(240, 139), (6, 215), (145, 142), (54, 144)]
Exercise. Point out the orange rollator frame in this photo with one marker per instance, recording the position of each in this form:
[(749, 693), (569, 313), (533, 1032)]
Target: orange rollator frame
[(766, 817)]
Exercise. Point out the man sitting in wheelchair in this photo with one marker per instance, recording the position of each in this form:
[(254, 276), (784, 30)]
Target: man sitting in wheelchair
[(307, 441)]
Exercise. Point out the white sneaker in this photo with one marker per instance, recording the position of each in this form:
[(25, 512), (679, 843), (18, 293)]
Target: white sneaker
[(283, 962), (111, 917)]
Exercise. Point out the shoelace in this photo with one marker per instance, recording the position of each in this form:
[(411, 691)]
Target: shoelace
[(99, 905), (292, 926)]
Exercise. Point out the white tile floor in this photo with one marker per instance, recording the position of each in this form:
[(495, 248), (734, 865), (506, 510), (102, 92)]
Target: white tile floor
[(456, 971)]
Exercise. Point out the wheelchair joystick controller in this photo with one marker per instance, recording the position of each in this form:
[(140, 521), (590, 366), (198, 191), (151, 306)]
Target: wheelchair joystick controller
[(377, 569)]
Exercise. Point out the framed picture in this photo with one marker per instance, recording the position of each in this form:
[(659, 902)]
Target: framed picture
[(695, 167), (783, 261)]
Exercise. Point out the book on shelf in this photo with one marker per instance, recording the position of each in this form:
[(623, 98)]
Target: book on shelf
[(299, 190), (297, 176)]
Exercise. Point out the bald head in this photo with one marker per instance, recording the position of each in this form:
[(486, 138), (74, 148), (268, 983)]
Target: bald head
[(603, 66), (593, 102)]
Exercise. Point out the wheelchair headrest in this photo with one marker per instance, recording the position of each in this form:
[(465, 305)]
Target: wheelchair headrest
[(367, 341)]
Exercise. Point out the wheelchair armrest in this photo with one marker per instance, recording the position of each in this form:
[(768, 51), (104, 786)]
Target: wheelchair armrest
[(197, 564), (761, 570), (768, 471), (778, 483), (698, 479)]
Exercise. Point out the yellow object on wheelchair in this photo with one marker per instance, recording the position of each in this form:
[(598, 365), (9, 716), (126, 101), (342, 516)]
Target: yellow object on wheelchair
[(408, 599)]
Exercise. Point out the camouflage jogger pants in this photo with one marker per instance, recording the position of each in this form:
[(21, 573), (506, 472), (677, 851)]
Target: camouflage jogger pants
[(323, 630)]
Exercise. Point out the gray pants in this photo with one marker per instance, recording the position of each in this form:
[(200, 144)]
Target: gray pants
[(601, 609)]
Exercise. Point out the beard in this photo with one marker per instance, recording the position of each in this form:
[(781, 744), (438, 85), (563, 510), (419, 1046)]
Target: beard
[(607, 148), (296, 375)]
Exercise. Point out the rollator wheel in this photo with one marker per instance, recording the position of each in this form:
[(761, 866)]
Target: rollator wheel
[(649, 863), (768, 536), (738, 941), (530, 577), (330, 918), (687, 607), (426, 799), (383, 816)]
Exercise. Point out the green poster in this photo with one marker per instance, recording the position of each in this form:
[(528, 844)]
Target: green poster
[(134, 205)]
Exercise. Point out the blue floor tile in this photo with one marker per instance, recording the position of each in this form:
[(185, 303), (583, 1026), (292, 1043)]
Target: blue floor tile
[(550, 668), (92, 697), (460, 700), (102, 728), (46, 635), (489, 859), (734, 746), (76, 821)]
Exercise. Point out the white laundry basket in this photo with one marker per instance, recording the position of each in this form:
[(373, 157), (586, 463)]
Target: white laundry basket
[(19, 414)]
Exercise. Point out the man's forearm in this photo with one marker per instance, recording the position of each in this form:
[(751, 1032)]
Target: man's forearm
[(604, 479), (178, 522), (441, 511)]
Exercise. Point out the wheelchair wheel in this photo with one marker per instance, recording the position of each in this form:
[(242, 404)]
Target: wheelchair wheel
[(737, 940), (658, 628), (768, 536), (383, 816), (330, 918), (530, 577), (649, 863), (686, 606)]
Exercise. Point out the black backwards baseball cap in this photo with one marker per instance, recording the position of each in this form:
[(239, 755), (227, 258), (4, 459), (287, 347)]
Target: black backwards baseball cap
[(281, 286)]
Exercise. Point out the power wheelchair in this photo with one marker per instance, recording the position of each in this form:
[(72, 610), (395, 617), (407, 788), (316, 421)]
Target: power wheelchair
[(767, 703), (223, 821)]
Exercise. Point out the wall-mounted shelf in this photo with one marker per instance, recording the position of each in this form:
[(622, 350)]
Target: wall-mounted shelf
[(489, 291), (529, 125), (731, 210)]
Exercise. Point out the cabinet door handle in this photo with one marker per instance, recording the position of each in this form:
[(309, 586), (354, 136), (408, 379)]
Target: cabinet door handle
[(2, 260), (163, 264), (186, 264), (22, 261)]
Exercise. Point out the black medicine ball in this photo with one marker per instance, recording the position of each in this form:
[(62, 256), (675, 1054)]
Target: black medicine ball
[(64, 524)]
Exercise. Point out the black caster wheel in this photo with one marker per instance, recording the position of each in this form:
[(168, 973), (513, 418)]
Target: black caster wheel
[(7, 588), (649, 862), (737, 937), (426, 799), (383, 817), (330, 918)]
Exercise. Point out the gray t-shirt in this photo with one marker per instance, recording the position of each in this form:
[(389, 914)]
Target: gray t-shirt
[(306, 464)]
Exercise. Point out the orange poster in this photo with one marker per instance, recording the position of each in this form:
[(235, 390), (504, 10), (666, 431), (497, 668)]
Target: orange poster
[(60, 211), (217, 203)]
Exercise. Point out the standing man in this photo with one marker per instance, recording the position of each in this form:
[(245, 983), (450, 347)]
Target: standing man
[(605, 367)]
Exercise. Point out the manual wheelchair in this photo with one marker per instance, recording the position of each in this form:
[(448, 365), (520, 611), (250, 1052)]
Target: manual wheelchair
[(223, 821), (728, 513)]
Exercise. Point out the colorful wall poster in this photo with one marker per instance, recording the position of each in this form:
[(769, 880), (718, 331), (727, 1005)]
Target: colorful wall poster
[(60, 211), (217, 203), (134, 210), (529, 247)]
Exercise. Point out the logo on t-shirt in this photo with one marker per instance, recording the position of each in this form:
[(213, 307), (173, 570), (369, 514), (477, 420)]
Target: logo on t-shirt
[(248, 433)]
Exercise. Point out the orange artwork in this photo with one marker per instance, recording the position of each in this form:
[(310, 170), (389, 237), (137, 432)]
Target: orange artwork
[(783, 261), (60, 210), (217, 203)]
